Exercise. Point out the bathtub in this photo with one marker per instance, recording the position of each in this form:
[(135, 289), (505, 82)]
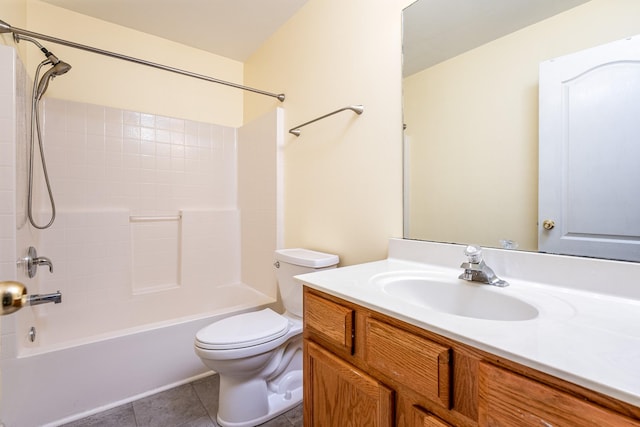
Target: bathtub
[(49, 385)]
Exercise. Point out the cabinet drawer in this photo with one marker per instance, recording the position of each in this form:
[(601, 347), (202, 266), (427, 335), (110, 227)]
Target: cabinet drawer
[(420, 364), (329, 321), (508, 399)]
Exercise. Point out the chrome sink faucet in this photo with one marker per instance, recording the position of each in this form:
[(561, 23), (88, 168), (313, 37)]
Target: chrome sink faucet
[(475, 269)]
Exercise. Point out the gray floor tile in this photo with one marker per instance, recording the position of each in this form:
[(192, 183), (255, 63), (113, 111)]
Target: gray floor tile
[(295, 416), (291, 418), (189, 405), (172, 408), (207, 390), (200, 422), (121, 416), (280, 421)]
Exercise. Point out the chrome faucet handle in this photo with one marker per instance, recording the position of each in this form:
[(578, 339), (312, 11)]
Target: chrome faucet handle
[(33, 261), (474, 254), (41, 260), (476, 270)]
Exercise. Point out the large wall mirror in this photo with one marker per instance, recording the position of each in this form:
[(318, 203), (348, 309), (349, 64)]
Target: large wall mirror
[(471, 109)]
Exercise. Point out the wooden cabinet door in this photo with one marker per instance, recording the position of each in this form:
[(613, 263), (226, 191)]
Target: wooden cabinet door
[(508, 399), (422, 418), (337, 394)]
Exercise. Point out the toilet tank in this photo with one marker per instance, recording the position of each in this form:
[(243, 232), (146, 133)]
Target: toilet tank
[(290, 263)]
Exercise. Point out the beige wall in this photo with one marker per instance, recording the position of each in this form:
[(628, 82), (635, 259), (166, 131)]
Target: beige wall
[(473, 127), (106, 81), (343, 175), (13, 12)]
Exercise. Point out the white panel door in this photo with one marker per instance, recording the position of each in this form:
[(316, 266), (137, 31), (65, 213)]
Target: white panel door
[(589, 184)]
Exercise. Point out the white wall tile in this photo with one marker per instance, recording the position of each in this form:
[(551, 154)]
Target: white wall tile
[(8, 123), (114, 129), (113, 115), (102, 157), (163, 123), (131, 118), (106, 164), (147, 120), (6, 105), (76, 117), (7, 141), (7, 179), (7, 204), (163, 136)]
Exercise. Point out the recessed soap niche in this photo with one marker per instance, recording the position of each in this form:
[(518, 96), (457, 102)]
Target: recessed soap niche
[(156, 248)]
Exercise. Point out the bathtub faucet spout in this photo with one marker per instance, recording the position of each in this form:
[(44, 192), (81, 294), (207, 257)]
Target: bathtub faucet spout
[(36, 299), (13, 296)]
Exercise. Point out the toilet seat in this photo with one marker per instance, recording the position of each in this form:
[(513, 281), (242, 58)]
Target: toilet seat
[(243, 330)]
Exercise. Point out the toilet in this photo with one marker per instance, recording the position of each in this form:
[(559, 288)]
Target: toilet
[(258, 355)]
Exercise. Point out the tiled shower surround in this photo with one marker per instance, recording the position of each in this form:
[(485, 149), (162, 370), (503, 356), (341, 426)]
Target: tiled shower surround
[(12, 75), (143, 202), (100, 156), (163, 226)]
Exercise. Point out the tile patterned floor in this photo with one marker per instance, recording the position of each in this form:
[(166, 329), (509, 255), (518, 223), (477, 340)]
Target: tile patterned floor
[(190, 405)]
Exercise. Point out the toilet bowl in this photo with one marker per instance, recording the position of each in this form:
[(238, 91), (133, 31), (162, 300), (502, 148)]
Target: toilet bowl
[(258, 355)]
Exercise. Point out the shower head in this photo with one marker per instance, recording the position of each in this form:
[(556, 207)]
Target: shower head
[(58, 68)]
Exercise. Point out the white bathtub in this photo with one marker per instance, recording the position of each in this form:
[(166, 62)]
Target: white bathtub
[(50, 386)]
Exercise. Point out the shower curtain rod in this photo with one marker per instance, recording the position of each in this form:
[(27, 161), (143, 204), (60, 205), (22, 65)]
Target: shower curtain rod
[(6, 28)]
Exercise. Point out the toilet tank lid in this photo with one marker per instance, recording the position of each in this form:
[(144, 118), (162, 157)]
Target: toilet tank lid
[(306, 258)]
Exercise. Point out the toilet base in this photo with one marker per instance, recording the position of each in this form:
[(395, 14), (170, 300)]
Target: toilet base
[(279, 402)]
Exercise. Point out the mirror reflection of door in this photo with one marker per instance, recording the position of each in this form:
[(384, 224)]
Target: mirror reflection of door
[(589, 183)]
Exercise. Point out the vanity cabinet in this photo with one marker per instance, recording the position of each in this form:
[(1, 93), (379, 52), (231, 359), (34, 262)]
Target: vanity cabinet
[(364, 368)]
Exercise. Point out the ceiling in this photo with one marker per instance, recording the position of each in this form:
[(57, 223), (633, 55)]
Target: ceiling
[(230, 28), (436, 30)]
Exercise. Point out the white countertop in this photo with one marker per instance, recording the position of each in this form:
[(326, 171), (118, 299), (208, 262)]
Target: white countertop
[(585, 337)]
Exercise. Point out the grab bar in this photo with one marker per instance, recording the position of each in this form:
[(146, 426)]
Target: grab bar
[(358, 109)]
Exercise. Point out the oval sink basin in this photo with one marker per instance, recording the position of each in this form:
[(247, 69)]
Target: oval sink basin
[(457, 297)]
